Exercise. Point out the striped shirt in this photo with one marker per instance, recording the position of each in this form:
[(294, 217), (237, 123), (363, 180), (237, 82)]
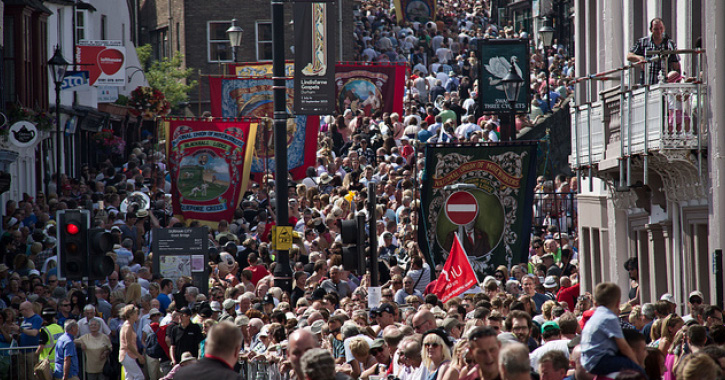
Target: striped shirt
[(646, 44)]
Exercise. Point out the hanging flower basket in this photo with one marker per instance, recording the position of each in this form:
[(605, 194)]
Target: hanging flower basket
[(148, 103)]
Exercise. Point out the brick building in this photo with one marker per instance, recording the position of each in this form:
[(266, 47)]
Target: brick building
[(198, 30)]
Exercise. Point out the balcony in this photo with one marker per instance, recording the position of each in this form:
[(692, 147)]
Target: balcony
[(652, 120)]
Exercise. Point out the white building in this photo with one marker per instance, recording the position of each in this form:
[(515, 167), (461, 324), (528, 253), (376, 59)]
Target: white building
[(649, 157)]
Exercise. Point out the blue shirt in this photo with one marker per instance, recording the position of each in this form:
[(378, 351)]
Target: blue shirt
[(164, 302), (33, 323), (598, 337), (65, 347)]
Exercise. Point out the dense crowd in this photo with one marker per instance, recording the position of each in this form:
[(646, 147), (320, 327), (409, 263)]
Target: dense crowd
[(526, 321)]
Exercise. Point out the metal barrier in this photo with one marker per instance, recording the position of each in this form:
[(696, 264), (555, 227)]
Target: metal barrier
[(261, 370), (557, 209), (17, 363)]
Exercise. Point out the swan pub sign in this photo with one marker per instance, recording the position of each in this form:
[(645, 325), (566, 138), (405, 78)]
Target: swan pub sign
[(495, 57), (23, 134)]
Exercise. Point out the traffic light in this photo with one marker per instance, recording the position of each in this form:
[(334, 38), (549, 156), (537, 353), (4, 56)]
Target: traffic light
[(72, 243), (352, 233), (100, 242)]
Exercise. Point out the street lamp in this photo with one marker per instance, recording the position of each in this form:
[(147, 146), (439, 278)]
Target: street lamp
[(235, 33), (58, 66), (512, 83), (546, 35)]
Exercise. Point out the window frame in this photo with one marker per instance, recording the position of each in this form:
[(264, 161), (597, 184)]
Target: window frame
[(257, 41), (209, 42)]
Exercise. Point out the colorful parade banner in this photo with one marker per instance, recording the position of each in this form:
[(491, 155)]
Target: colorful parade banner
[(209, 161), (372, 87), (253, 97), (258, 69), (496, 57), (497, 218), (415, 10), (314, 55)]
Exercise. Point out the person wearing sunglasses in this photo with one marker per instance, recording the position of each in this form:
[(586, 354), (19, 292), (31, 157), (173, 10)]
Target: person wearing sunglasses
[(436, 355)]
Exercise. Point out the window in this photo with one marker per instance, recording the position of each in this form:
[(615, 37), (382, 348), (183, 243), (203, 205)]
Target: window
[(160, 43), (104, 27), (81, 25), (264, 41), (218, 47)]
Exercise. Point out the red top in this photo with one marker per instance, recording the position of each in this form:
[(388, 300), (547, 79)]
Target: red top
[(568, 295), (258, 273)]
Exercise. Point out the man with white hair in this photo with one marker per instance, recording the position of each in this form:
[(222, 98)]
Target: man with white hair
[(335, 284), (89, 313), (66, 356)]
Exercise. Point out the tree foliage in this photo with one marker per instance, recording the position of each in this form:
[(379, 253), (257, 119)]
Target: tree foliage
[(167, 75)]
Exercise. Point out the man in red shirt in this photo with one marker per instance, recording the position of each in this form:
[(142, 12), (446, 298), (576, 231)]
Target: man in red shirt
[(258, 270)]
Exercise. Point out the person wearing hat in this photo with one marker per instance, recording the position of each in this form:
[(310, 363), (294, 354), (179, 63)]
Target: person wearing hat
[(49, 334), (385, 316), (185, 336), (452, 326), (667, 297), (551, 335), (229, 313), (551, 285), (186, 359), (694, 302)]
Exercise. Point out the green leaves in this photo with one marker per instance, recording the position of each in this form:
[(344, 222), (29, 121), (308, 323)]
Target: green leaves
[(167, 75)]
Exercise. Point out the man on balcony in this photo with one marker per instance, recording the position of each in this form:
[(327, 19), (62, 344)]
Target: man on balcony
[(658, 40)]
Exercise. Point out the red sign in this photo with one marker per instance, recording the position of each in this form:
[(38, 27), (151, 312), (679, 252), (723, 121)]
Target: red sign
[(104, 60), (461, 208), (457, 275)]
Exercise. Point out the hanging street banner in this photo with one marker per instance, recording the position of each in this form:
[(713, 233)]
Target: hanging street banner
[(314, 55), (253, 97), (500, 178), (372, 87), (495, 57), (209, 161), (415, 10), (258, 69), (104, 60)]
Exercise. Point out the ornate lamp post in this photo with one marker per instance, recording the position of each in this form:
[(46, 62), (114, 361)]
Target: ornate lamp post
[(58, 66), (512, 83), (546, 35), (235, 34)]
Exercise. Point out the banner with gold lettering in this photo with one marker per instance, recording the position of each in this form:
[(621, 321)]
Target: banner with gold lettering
[(494, 218), (209, 160)]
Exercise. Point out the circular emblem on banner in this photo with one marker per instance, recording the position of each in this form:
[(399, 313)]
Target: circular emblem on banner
[(23, 134)]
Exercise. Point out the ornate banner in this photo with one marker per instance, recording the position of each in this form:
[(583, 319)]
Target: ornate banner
[(209, 161), (372, 87), (501, 178), (258, 69), (496, 57), (253, 97), (415, 10)]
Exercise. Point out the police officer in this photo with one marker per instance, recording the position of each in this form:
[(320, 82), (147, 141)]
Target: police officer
[(49, 334)]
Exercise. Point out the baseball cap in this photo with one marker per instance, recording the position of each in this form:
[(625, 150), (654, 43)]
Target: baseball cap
[(377, 343), (696, 293), (669, 298), (549, 326), (215, 306), (228, 304), (450, 322), (154, 311), (241, 320), (387, 308)]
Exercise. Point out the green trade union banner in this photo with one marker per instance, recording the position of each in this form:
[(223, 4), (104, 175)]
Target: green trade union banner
[(496, 57), (497, 227)]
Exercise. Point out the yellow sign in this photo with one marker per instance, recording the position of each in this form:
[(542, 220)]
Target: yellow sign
[(282, 238)]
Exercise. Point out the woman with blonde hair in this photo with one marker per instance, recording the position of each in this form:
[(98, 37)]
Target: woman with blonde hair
[(458, 367), (436, 355), (133, 293), (128, 354), (670, 326), (360, 350)]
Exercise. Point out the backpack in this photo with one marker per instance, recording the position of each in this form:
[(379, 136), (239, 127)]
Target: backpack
[(153, 348)]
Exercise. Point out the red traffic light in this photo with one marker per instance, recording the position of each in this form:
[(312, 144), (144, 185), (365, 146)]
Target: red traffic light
[(72, 228)]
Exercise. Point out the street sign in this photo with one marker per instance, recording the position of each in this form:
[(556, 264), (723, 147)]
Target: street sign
[(74, 79), (461, 208), (282, 238)]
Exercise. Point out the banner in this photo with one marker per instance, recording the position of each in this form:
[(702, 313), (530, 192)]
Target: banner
[(253, 97), (457, 275), (209, 162), (258, 69), (485, 194), (495, 57), (372, 87), (104, 60), (314, 55), (415, 10)]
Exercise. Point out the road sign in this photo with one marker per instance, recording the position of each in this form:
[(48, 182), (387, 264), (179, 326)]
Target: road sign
[(282, 238), (461, 208)]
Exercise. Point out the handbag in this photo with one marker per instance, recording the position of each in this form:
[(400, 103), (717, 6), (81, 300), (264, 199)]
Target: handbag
[(42, 369)]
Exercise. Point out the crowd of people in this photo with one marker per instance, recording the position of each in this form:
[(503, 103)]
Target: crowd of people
[(527, 321)]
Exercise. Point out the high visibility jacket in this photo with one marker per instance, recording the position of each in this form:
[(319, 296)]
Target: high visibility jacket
[(54, 331)]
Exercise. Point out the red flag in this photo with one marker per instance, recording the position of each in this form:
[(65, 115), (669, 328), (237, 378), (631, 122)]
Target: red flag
[(457, 275)]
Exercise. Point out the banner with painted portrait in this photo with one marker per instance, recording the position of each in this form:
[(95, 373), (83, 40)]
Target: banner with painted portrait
[(253, 97), (415, 10), (484, 194), (372, 87), (209, 161)]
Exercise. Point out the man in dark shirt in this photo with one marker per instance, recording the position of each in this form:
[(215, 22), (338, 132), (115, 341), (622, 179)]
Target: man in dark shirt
[(299, 290), (185, 336), (222, 349), (658, 40)]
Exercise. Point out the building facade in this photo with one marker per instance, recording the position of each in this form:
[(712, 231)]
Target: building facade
[(647, 152)]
